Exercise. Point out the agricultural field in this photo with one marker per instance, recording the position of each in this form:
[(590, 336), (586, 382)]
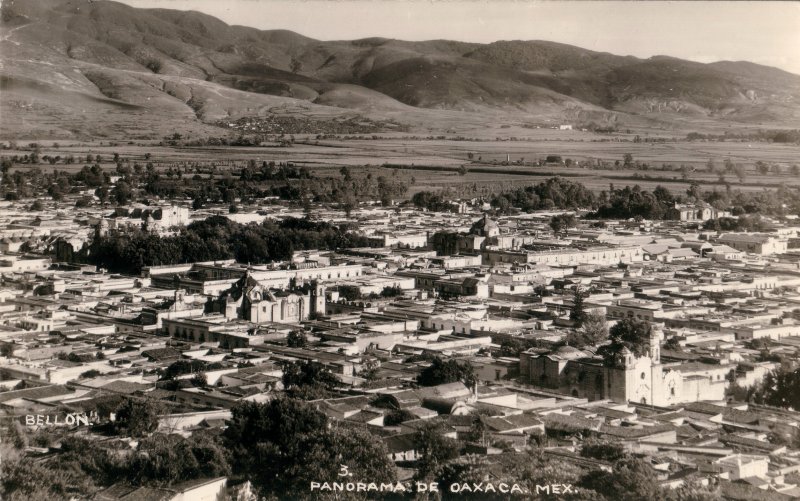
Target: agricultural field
[(433, 162)]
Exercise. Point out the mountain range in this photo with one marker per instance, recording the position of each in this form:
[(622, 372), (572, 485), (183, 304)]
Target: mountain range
[(86, 68)]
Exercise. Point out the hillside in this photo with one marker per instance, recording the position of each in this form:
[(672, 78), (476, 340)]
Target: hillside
[(71, 67)]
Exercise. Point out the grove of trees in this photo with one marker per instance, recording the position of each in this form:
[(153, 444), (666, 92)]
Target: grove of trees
[(450, 371), (216, 238)]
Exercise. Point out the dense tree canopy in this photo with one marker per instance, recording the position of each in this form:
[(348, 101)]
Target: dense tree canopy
[(434, 450), (308, 380), (137, 417), (780, 388), (630, 480), (450, 371), (744, 222), (285, 443), (593, 331), (555, 193), (563, 222), (217, 238), (169, 459)]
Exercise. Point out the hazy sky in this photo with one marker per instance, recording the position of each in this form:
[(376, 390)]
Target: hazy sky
[(761, 32)]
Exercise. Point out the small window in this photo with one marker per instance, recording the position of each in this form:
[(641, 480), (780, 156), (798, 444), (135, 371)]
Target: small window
[(643, 375), (672, 391)]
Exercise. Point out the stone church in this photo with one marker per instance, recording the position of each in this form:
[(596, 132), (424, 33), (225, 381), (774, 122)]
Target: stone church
[(581, 373), (248, 300)]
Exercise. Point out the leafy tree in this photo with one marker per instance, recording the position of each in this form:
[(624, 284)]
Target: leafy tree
[(692, 492), (326, 451), (283, 444), (349, 292), (297, 339), (348, 203), (673, 344), (471, 470), (477, 431), (137, 417), (602, 450), (742, 223), (83, 202), (91, 458), (562, 222), (7, 350), (630, 480), (663, 195), (553, 193), (512, 347), (391, 291), (15, 435), (593, 331), (370, 370), (24, 479), (430, 201), (199, 380), (181, 367), (780, 388), (122, 193), (632, 202), (216, 238), (308, 380), (434, 450), (5, 165), (164, 460), (577, 313), (628, 333), (627, 160), (451, 371)]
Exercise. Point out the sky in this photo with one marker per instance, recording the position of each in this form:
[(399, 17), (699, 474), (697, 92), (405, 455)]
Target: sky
[(761, 32)]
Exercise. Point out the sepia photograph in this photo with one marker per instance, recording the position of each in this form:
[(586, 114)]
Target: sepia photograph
[(422, 250)]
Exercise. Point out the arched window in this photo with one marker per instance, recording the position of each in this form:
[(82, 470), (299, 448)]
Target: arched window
[(643, 375)]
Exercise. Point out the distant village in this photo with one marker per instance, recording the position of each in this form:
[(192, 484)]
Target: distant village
[(524, 311)]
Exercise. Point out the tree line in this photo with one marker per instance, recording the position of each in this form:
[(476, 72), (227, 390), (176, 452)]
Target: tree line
[(215, 238)]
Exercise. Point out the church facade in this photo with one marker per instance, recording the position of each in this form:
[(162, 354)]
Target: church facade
[(248, 299), (645, 380)]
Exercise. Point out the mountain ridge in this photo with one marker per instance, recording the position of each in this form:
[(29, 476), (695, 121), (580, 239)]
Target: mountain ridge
[(86, 43)]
